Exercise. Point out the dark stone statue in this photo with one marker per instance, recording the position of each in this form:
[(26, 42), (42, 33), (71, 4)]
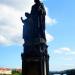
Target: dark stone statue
[(34, 25), (27, 28), (38, 14), (35, 59)]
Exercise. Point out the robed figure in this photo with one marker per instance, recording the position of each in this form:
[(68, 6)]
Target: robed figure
[(34, 25)]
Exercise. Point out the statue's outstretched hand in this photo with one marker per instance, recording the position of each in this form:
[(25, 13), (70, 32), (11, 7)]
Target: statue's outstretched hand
[(21, 18)]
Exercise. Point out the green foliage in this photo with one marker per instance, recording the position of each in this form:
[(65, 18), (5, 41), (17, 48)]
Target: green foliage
[(14, 72)]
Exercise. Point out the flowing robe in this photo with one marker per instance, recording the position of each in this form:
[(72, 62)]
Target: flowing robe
[(38, 15)]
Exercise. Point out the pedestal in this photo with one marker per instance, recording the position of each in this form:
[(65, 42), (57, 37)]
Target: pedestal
[(35, 59)]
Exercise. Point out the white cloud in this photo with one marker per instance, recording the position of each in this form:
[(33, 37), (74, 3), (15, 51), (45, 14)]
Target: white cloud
[(64, 50), (65, 56), (49, 20), (3, 40), (57, 51), (10, 23), (23, 5), (73, 52), (49, 37)]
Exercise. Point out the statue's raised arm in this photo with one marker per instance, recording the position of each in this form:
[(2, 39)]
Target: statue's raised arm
[(27, 15)]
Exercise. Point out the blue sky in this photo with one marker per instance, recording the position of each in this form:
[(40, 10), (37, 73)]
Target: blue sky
[(60, 24)]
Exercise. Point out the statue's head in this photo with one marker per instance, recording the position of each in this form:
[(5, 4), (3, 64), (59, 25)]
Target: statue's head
[(27, 15), (36, 1)]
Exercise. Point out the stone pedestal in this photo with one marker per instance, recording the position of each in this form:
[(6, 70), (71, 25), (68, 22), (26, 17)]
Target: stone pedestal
[(35, 59)]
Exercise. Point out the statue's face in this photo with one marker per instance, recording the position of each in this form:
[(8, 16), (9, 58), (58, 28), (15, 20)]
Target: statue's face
[(36, 1)]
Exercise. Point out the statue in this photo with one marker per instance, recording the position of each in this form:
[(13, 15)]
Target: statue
[(35, 21), (27, 28), (35, 59), (38, 13)]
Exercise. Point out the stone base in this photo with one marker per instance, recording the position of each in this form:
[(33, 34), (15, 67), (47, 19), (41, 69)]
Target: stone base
[(35, 65), (35, 60)]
